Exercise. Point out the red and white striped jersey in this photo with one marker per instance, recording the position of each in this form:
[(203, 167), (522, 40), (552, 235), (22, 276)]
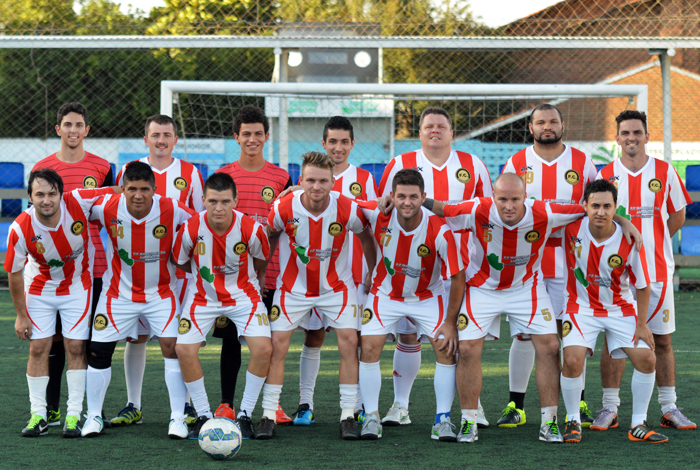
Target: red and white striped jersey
[(223, 263), (561, 181), (409, 265), (646, 198), (138, 255), (357, 184), (503, 256), (314, 250), (598, 275), (58, 258)]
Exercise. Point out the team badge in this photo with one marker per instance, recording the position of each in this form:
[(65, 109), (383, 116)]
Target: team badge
[(77, 227), (462, 322), (275, 312), (532, 236), (180, 183), (655, 185), (100, 321), (335, 229), (267, 194), (463, 175), (367, 316), (572, 177), (89, 182), (423, 250), (222, 322), (615, 261), (184, 326), (159, 231), (566, 328), (240, 248), (356, 189)]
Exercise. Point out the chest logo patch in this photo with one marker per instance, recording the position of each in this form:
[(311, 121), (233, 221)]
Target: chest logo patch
[(463, 175), (423, 250), (356, 189), (615, 261), (532, 236), (572, 177), (77, 227), (180, 183), (335, 229), (240, 248), (267, 194), (89, 182), (159, 231), (655, 185)]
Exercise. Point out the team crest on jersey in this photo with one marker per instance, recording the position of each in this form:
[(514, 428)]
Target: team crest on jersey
[(356, 189), (463, 175), (180, 183), (267, 194), (655, 185), (532, 236), (89, 182), (423, 250), (462, 322), (275, 312), (367, 316), (240, 248), (335, 229), (159, 231), (572, 177), (615, 261), (100, 322), (222, 322), (566, 328), (77, 227), (184, 326)]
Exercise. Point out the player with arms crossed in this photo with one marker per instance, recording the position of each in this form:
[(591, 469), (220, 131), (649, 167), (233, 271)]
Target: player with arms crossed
[(559, 173), (653, 197), (450, 176), (225, 249), (312, 227), (600, 266), (414, 245)]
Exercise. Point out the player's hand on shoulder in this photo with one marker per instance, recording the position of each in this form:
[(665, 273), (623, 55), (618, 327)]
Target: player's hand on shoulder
[(644, 333), (290, 189), (385, 204), (631, 234)]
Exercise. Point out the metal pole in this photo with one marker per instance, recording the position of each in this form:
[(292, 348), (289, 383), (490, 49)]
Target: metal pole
[(284, 124), (665, 60)]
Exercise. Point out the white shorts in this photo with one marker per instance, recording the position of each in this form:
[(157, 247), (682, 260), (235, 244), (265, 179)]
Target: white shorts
[(407, 327), (317, 322), (661, 317), (583, 330), (143, 327), (290, 311), (381, 315), (529, 312), (75, 314), (556, 288), (196, 320), (116, 319)]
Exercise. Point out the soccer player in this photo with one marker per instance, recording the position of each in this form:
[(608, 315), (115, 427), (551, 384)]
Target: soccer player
[(140, 281), (180, 181), (653, 197), (258, 184), (312, 227), (553, 172), (600, 266), (78, 169), (450, 176), (225, 249), (51, 238), (414, 246)]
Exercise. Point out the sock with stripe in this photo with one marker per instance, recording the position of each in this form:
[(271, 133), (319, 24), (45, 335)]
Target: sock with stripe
[(407, 359)]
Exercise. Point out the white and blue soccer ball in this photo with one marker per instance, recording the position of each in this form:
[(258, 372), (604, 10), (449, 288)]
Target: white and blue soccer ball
[(220, 438)]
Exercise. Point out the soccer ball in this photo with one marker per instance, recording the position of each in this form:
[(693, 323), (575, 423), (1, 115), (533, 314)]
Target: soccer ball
[(220, 438)]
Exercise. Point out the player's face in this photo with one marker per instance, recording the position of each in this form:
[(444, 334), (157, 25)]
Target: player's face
[(317, 183), (338, 145), (139, 197), (600, 209), (546, 126), (252, 139), (632, 138), (72, 130), (161, 140), (45, 198), (219, 206), (408, 200), (510, 201), (436, 132)]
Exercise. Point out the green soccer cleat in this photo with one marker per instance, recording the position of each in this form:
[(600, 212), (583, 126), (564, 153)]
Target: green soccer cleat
[(190, 415), (36, 426), (128, 415), (586, 415), (54, 417), (512, 417), (71, 428)]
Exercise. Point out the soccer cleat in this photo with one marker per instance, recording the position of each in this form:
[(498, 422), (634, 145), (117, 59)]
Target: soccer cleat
[(360, 416), (371, 429), (54, 417), (246, 425), (605, 420), (93, 427), (511, 417), (282, 419), (107, 423), (676, 419), (36, 426), (191, 415), (572, 432), (396, 416), (549, 432), (177, 429), (304, 416), (586, 418), (225, 411), (196, 427), (128, 415), (443, 431), (643, 432), (481, 420), (468, 432), (71, 428), (349, 430), (267, 429)]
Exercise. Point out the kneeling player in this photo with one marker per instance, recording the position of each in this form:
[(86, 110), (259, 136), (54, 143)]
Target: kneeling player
[(414, 244), (600, 266), (225, 249)]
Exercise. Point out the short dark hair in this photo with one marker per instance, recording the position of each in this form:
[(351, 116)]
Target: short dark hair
[(434, 110), (139, 171), (48, 175), (250, 115), (630, 115), (161, 119), (545, 107), (408, 177), (338, 123), (72, 107), (220, 182), (600, 186)]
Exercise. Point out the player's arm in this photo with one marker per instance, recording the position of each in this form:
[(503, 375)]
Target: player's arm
[(629, 231), (186, 267), (369, 250), (436, 207), (448, 329), (643, 332), (274, 237), (675, 221), (23, 325)]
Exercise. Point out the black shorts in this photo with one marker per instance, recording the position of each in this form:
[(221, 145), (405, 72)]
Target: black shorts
[(225, 328)]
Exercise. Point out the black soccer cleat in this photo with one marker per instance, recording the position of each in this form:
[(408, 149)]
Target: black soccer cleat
[(246, 426), (267, 429), (196, 427), (349, 430)]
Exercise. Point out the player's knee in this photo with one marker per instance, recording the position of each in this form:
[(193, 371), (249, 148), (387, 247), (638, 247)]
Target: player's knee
[(167, 347), (75, 348), (663, 344), (548, 345), (467, 349), (184, 351), (573, 366), (100, 355), (262, 352), (314, 338), (40, 348), (647, 363)]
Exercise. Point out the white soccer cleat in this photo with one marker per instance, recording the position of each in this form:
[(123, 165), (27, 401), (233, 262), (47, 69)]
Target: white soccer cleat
[(177, 429), (549, 432), (444, 430), (468, 432), (481, 420), (396, 416), (93, 427)]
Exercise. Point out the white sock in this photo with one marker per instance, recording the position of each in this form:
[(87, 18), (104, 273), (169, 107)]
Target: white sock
[(96, 385), (358, 402), (253, 385), (521, 360), (348, 397), (75, 379), (134, 367), (309, 364), (407, 360), (271, 400), (445, 386), (370, 385), (549, 413), (200, 400), (37, 394), (667, 399), (177, 390), (571, 392), (469, 415), (611, 399), (642, 388)]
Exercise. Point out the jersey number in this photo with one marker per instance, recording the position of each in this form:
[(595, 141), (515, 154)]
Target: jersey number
[(546, 314), (117, 231), (201, 249), (355, 309), (294, 230), (528, 177), (576, 249), (40, 248), (667, 314), (384, 239), (488, 235), (262, 319)]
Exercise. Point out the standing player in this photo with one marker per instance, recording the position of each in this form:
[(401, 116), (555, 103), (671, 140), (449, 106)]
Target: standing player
[(78, 169), (450, 176), (180, 181), (140, 281), (51, 238), (414, 246), (600, 265), (653, 197), (258, 184), (314, 225), (553, 172)]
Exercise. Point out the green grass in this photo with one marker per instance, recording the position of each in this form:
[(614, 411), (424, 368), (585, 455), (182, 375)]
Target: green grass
[(318, 446)]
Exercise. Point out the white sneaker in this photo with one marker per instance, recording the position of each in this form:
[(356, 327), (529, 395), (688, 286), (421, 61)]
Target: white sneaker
[(481, 418), (93, 427), (468, 432), (177, 429), (371, 429), (396, 416), (444, 431), (549, 432)]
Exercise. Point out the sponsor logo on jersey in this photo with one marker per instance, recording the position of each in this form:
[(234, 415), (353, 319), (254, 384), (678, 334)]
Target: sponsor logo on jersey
[(580, 277), (386, 229), (487, 225), (77, 227), (184, 326), (180, 183), (89, 182), (206, 274), (292, 220), (335, 229), (274, 312), (572, 177), (159, 231), (462, 322), (615, 261), (523, 169), (356, 189), (100, 321), (367, 316), (463, 175), (55, 263), (240, 248), (417, 168), (222, 322), (267, 194), (566, 328), (655, 185), (124, 255), (532, 236), (423, 250), (575, 239), (301, 253), (494, 262)]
